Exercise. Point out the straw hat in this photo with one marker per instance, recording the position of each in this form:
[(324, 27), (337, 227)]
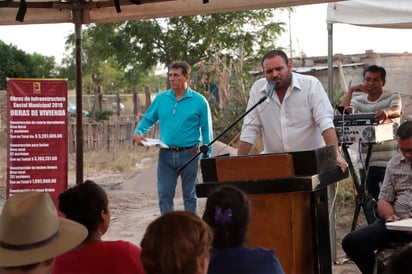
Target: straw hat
[(31, 231)]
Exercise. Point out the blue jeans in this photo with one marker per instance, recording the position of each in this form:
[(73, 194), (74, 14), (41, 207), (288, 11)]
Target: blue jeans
[(168, 162)]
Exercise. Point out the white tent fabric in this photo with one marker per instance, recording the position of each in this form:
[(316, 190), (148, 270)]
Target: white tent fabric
[(98, 11), (372, 13), (367, 13)]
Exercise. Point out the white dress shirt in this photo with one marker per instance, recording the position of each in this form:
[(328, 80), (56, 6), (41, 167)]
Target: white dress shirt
[(295, 124)]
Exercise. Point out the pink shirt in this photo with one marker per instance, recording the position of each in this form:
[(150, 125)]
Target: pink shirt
[(101, 257)]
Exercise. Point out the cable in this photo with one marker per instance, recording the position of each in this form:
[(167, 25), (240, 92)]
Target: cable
[(334, 200), (239, 132), (259, 111)]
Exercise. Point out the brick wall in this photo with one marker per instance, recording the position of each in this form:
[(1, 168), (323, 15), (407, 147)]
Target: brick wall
[(398, 68)]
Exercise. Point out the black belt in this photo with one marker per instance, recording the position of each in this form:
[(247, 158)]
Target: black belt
[(177, 149)]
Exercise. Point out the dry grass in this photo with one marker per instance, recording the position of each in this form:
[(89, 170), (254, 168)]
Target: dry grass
[(118, 161), (126, 162), (345, 197), (122, 161)]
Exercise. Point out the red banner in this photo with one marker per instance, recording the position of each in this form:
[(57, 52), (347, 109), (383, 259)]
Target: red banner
[(37, 136)]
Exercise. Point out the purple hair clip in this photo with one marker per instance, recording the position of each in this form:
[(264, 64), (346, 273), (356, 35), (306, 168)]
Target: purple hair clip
[(223, 217)]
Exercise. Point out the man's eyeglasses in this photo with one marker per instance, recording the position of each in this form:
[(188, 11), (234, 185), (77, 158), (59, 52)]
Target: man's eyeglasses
[(405, 151)]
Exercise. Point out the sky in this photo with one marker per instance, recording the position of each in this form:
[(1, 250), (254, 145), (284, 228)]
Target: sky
[(309, 35), (308, 29)]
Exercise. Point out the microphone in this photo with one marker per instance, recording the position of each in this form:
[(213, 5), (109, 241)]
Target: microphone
[(270, 88)]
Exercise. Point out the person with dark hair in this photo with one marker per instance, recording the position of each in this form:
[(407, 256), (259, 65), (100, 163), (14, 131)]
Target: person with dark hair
[(87, 203), (387, 107), (185, 121), (176, 242), (394, 204), (32, 234), (297, 117), (228, 213)]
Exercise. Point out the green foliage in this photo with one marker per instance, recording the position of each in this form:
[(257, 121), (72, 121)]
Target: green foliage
[(225, 116), (102, 115), (338, 95), (122, 57), (232, 98), (68, 72), (345, 197), (43, 66), (16, 63), (136, 47)]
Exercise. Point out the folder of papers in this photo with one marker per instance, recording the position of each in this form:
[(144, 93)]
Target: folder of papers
[(401, 225)]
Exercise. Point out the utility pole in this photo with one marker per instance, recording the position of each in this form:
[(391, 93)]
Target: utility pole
[(290, 37)]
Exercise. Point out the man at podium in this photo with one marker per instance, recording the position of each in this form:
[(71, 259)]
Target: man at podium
[(298, 117)]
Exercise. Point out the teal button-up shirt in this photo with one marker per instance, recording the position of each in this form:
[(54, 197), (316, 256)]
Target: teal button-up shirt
[(183, 123)]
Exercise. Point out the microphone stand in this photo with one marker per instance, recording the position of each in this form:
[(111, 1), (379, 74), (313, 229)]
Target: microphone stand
[(205, 148)]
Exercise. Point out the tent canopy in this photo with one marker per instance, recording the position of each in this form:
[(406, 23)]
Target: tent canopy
[(99, 11), (372, 13), (366, 13), (79, 12)]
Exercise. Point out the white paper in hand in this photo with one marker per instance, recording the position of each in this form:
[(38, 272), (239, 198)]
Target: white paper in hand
[(154, 142)]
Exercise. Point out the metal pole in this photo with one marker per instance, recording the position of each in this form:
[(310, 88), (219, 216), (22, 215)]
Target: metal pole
[(77, 14), (330, 61), (290, 39), (331, 187)]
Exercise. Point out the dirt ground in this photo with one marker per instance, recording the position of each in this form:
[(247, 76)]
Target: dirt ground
[(133, 204)]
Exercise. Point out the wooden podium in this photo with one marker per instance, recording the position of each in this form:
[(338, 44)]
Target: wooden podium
[(289, 202)]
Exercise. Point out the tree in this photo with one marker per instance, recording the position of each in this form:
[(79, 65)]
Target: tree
[(43, 66), (100, 60), (228, 45), (16, 63), (136, 47)]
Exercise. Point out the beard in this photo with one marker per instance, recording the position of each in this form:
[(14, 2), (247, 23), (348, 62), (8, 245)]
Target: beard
[(285, 83)]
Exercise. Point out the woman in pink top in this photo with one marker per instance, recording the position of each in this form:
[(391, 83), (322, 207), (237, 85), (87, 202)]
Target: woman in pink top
[(87, 203)]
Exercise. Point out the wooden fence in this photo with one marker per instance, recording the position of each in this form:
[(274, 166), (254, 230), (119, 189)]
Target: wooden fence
[(116, 133), (106, 135)]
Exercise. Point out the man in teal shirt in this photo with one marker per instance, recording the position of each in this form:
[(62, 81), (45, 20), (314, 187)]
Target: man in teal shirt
[(185, 122)]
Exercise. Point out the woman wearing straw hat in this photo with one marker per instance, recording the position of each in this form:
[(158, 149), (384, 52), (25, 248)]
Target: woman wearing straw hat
[(32, 234)]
